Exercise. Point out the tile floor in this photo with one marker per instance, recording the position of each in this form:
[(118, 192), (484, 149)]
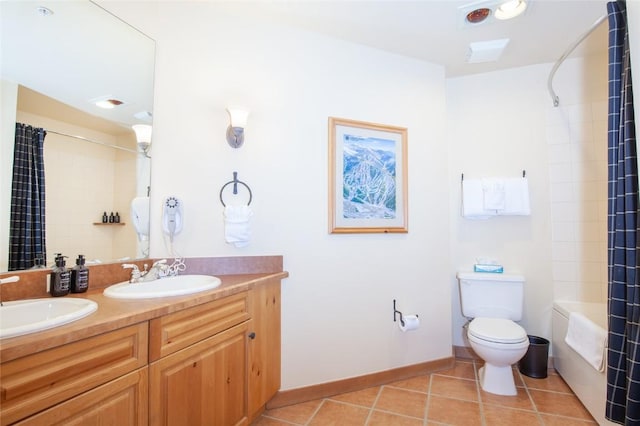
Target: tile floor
[(450, 397)]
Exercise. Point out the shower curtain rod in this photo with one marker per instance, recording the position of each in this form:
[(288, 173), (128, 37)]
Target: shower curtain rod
[(554, 97), (92, 141)]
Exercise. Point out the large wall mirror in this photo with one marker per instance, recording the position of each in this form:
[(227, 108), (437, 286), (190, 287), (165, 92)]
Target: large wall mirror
[(58, 59)]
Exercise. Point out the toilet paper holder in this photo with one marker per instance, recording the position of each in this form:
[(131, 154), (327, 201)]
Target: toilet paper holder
[(396, 312)]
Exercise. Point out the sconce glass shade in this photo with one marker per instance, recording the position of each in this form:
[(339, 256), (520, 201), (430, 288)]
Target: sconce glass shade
[(143, 136), (143, 132), (235, 131)]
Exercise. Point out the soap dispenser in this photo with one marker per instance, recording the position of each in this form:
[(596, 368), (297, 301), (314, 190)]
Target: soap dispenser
[(79, 276), (60, 277)]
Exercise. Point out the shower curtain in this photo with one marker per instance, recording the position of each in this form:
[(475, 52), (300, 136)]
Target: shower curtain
[(27, 222), (623, 364)]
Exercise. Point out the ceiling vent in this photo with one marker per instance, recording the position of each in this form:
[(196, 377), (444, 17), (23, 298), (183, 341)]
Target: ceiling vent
[(486, 51)]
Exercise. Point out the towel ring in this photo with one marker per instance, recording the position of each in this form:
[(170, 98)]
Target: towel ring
[(235, 183)]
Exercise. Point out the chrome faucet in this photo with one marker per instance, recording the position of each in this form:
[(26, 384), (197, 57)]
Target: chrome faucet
[(136, 275), (159, 269)]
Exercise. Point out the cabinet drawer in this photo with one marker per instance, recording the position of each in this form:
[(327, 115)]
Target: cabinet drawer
[(39, 381), (176, 331), (119, 402)]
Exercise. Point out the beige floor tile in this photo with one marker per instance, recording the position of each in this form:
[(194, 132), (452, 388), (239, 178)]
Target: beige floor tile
[(400, 401), (453, 387), (453, 411), (501, 416), (418, 383), (266, 421), (339, 414), (365, 397), (378, 418), (299, 413), (559, 403), (552, 382), (461, 369), (520, 401), (550, 420)]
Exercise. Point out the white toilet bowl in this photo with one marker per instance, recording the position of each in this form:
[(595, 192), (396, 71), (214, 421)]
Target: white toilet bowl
[(500, 343)]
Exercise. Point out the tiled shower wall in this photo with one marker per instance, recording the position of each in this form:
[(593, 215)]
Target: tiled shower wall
[(577, 142)]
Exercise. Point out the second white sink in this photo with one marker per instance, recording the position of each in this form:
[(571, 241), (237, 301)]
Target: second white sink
[(170, 286), (29, 316)]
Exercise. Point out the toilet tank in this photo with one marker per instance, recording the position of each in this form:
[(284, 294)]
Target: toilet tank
[(491, 295)]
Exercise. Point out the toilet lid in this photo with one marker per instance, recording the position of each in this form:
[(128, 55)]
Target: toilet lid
[(497, 330)]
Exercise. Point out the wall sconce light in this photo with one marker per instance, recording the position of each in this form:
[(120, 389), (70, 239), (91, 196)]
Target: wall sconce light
[(235, 131), (143, 136)]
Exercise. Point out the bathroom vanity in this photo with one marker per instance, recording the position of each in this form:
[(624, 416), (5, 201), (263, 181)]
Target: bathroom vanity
[(208, 358)]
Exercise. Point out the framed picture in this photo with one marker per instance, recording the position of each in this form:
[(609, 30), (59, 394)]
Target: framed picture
[(367, 177)]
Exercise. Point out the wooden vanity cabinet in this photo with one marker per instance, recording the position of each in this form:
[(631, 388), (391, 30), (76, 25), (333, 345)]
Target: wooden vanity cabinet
[(214, 364), (44, 379), (198, 373), (264, 346)]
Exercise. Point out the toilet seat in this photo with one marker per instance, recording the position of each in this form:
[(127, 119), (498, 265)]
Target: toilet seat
[(497, 330)]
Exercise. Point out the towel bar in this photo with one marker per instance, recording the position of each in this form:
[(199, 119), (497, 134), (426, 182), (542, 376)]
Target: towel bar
[(524, 174)]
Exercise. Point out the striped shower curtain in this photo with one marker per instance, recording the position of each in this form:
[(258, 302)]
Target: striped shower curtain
[(623, 364), (27, 223)]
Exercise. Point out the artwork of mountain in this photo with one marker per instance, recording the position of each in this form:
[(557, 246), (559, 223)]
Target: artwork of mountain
[(369, 178)]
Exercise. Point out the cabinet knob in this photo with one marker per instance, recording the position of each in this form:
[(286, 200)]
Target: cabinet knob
[(252, 335)]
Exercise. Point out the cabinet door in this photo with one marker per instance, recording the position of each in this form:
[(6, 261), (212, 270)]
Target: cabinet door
[(203, 384), (264, 348), (36, 382), (121, 402)]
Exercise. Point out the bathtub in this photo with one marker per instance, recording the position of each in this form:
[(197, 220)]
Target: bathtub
[(589, 385)]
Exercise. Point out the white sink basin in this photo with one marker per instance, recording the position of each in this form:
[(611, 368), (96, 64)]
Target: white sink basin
[(163, 287), (29, 316)]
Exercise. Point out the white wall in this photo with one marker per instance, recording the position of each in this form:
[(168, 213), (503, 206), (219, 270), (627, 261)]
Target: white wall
[(496, 128), (337, 304), (8, 101)]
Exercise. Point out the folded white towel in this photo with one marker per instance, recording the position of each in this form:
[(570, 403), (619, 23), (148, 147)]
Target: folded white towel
[(516, 197), (473, 200), (493, 194), (237, 230), (588, 339)]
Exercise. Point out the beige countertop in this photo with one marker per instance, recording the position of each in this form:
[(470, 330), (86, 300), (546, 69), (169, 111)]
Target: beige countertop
[(113, 314)]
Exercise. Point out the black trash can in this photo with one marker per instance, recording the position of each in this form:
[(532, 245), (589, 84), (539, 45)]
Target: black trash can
[(534, 362)]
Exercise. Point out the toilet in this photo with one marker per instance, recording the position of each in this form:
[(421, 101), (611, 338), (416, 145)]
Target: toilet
[(492, 303)]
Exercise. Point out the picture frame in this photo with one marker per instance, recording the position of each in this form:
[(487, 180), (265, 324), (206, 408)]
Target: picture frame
[(367, 177)]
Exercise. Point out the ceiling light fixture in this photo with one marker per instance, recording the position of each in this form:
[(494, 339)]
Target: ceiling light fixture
[(487, 11), (477, 16), (510, 9), (108, 103)]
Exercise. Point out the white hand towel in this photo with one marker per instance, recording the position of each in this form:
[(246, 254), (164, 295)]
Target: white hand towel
[(237, 230), (516, 197), (587, 339), (473, 200), (493, 194)]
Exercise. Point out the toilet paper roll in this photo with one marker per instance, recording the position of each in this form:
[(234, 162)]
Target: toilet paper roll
[(411, 322)]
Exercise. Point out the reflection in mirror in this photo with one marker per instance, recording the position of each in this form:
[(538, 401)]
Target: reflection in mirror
[(54, 65)]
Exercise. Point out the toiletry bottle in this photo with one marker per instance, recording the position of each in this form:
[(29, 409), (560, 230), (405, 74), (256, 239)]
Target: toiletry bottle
[(60, 277), (79, 276), (117, 217), (105, 218), (112, 218)]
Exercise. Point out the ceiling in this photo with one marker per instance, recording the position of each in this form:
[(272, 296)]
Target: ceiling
[(432, 30)]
